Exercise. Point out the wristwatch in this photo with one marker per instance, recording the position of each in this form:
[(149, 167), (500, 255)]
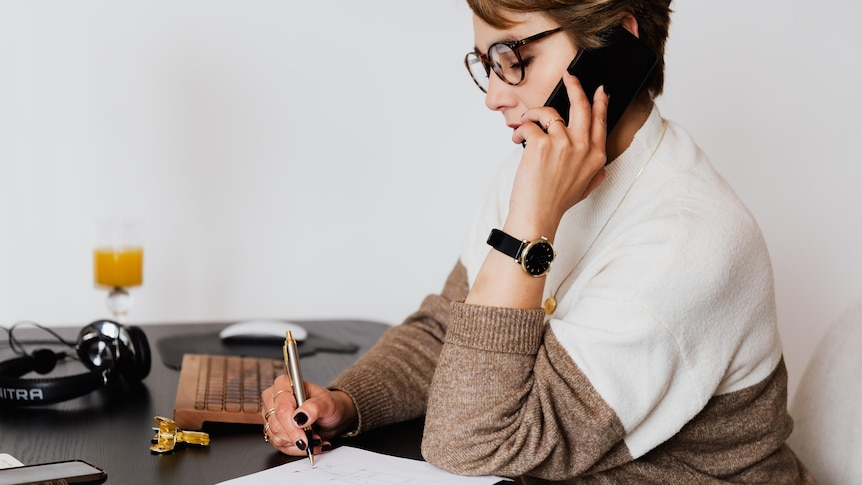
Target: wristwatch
[(535, 257)]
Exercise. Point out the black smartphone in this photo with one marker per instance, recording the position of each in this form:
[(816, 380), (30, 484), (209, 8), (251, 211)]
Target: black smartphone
[(67, 472), (622, 66)]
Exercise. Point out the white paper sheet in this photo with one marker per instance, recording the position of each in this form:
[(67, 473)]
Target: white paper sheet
[(352, 466), (9, 461)]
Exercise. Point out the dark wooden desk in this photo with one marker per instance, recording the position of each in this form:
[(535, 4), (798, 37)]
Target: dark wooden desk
[(113, 430)]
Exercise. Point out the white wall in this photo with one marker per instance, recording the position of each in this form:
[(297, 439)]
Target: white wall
[(322, 159)]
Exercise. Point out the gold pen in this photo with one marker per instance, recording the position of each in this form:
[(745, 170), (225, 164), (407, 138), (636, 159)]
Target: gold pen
[(291, 363)]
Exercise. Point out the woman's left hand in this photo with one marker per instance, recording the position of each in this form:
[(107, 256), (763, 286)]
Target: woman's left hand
[(562, 165)]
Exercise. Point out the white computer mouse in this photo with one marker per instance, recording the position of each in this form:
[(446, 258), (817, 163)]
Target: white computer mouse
[(262, 330)]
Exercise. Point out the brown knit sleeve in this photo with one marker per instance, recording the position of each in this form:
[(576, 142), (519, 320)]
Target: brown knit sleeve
[(390, 382), (507, 400)]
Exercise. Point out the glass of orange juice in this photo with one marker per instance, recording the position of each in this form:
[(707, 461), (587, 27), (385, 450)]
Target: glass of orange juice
[(118, 262)]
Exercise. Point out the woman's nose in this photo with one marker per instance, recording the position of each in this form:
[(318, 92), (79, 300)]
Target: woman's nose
[(499, 94)]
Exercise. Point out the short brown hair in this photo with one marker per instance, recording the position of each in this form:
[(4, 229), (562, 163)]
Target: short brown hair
[(585, 20)]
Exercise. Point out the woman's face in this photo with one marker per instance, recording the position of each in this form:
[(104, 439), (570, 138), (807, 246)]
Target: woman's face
[(544, 60)]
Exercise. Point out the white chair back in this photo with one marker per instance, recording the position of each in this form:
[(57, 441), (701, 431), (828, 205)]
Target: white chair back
[(827, 406)]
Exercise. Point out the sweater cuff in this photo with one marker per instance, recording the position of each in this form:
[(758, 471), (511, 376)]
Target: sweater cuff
[(493, 329), (371, 409)]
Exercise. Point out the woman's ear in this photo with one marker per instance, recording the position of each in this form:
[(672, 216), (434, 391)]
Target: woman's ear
[(630, 23)]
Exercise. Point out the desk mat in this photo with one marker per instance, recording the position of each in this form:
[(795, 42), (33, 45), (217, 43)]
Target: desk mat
[(173, 348)]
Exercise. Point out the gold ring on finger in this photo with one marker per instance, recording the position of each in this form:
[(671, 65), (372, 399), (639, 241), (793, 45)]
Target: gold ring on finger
[(277, 393), (269, 413), (551, 122)]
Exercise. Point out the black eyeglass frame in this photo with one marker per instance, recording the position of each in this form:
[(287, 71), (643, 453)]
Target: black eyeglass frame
[(513, 46)]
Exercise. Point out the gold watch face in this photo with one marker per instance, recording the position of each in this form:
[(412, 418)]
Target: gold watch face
[(538, 257)]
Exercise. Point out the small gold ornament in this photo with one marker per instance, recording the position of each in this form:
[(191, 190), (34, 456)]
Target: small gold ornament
[(550, 305), (168, 435)]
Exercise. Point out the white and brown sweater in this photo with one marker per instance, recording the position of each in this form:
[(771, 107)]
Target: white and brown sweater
[(661, 364)]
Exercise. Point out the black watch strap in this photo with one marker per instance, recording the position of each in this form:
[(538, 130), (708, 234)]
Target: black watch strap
[(506, 244)]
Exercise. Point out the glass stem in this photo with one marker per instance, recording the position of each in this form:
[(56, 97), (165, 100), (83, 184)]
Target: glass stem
[(119, 302)]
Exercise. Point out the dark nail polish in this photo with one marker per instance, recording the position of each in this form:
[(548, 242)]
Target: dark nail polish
[(300, 418), (325, 447), (301, 445)]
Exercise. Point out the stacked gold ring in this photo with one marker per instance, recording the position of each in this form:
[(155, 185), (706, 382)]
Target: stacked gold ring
[(551, 122), (266, 416)]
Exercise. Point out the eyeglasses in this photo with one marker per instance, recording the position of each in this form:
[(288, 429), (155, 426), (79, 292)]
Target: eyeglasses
[(503, 58)]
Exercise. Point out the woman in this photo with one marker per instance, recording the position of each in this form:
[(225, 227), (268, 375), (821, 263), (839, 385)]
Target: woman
[(650, 353)]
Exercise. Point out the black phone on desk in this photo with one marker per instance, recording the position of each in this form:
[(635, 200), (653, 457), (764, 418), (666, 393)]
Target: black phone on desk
[(622, 66), (66, 472)]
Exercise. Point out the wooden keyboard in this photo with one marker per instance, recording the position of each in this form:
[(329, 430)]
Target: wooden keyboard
[(222, 389)]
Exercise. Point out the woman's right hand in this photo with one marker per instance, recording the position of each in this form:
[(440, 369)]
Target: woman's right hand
[(329, 413)]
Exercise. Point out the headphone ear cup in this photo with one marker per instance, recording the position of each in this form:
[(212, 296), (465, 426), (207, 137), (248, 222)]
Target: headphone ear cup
[(105, 344), (97, 344), (137, 366), (44, 360), (41, 361)]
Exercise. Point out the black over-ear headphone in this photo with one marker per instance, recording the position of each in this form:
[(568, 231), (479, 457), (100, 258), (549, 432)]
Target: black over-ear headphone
[(106, 347)]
